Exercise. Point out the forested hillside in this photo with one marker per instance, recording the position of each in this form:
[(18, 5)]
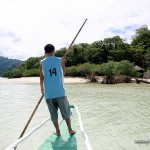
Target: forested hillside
[(8, 64), (109, 57)]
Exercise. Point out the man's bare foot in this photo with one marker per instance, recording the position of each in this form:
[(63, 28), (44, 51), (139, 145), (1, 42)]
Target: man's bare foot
[(57, 133), (72, 132)]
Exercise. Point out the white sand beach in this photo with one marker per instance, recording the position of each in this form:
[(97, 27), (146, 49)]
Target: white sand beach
[(66, 80), (37, 80)]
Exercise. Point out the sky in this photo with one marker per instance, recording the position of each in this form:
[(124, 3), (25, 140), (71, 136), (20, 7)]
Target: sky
[(26, 26)]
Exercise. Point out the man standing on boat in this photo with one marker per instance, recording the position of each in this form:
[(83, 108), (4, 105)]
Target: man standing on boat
[(52, 71)]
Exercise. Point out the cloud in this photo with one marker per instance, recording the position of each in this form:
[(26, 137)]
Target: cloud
[(9, 34), (8, 43), (26, 26), (124, 32), (117, 31)]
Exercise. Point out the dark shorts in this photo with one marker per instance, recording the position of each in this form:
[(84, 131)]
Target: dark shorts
[(61, 103)]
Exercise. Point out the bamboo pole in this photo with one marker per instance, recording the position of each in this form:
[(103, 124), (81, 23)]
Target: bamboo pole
[(75, 38), (30, 117)]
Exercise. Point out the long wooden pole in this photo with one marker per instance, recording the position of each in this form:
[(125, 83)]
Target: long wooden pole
[(30, 117), (75, 38)]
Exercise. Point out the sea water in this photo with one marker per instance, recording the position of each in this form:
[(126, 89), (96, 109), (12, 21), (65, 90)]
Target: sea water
[(115, 117)]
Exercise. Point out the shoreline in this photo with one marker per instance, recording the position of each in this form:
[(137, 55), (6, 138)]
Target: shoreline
[(37, 80), (66, 80)]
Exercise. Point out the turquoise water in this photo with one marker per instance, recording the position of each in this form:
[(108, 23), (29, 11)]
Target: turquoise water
[(115, 117)]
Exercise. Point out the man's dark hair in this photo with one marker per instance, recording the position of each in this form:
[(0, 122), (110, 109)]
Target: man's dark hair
[(49, 48)]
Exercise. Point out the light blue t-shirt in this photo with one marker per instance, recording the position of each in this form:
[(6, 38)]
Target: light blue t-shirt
[(53, 77)]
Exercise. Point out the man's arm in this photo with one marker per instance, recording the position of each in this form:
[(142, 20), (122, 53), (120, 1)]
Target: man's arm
[(63, 65), (41, 79)]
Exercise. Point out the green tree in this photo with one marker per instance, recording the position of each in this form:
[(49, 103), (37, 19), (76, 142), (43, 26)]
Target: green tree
[(88, 70), (140, 47), (32, 62), (147, 58), (72, 71), (61, 52), (15, 73), (108, 69), (115, 70), (117, 48), (115, 43), (141, 38), (31, 72), (125, 68), (96, 53), (75, 56)]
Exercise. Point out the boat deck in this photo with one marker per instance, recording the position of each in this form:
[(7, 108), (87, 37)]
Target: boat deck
[(63, 142)]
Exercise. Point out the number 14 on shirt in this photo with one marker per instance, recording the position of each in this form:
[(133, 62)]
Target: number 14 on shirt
[(53, 72)]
